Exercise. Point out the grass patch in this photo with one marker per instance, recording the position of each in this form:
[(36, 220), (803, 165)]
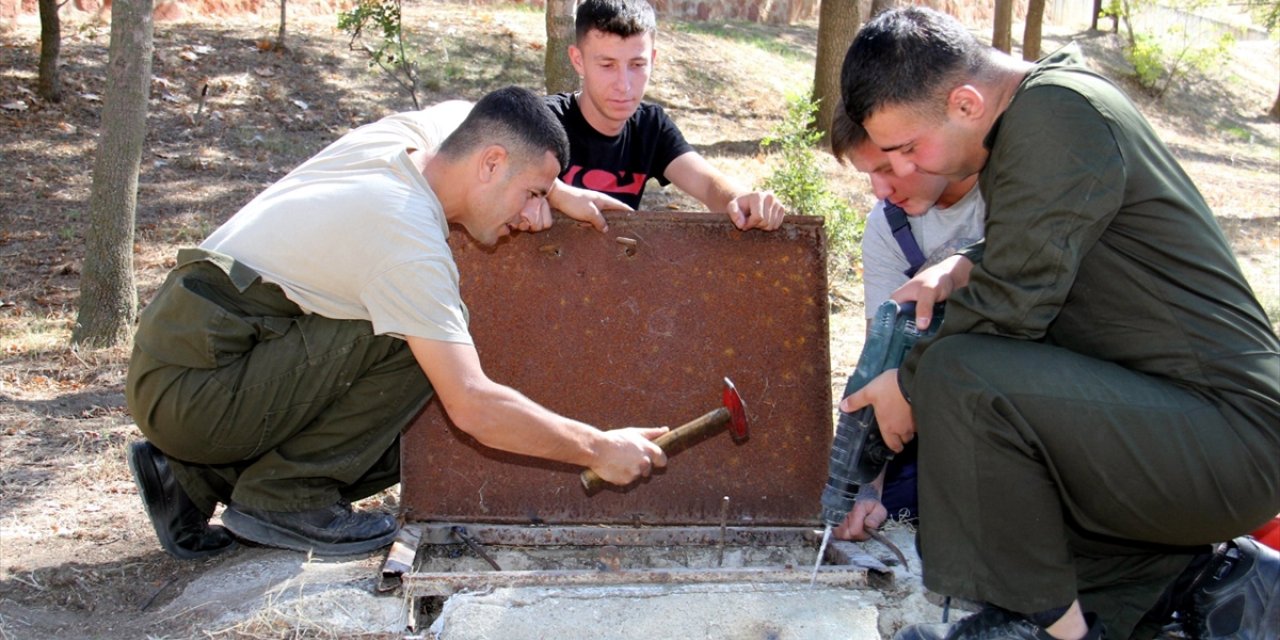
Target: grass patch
[(1236, 130), (189, 231), (273, 142), (30, 334), (474, 66)]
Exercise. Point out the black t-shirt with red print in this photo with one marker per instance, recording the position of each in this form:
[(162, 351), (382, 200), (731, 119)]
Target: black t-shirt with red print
[(618, 165)]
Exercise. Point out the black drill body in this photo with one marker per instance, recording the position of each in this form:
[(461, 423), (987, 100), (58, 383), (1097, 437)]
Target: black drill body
[(858, 453)]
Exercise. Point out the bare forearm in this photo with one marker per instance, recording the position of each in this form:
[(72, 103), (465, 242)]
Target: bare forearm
[(503, 418), (720, 192)]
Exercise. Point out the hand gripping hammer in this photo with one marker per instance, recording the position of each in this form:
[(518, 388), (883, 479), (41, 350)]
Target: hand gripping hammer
[(733, 414)]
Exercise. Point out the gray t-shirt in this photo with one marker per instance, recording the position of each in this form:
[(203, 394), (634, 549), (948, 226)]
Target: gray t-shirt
[(940, 232), (357, 233)]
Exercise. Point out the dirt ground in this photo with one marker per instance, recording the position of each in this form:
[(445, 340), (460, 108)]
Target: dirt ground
[(77, 555)]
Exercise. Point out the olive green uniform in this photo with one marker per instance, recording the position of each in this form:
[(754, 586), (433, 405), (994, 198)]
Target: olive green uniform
[(254, 401), (1103, 399), (271, 368)]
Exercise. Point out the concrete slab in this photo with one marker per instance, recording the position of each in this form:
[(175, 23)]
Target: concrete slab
[(264, 592), (273, 588), (739, 611), (711, 612)]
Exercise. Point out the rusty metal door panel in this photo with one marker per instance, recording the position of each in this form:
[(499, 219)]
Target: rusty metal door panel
[(637, 327)]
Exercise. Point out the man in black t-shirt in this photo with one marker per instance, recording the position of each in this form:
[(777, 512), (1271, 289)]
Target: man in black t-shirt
[(617, 141)]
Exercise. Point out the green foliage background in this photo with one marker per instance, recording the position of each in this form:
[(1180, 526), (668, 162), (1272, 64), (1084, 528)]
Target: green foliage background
[(798, 181)]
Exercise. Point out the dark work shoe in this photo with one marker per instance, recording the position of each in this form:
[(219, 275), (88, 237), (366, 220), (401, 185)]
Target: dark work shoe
[(335, 530), (1238, 595), (992, 623), (182, 528)]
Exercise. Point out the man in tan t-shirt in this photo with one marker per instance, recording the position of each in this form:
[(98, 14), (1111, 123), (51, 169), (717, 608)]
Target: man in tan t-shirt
[(274, 370)]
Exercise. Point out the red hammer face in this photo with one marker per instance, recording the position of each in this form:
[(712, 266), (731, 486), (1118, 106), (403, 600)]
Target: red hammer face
[(737, 411)]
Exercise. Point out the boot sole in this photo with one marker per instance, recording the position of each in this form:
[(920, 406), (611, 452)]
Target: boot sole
[(267, 534)]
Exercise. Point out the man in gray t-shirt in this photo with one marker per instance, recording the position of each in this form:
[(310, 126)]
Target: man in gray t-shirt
[(274, 370), (945, 216)]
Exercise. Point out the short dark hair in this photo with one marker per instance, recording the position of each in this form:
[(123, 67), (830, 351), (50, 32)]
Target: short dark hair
[(908, 56), (515, 118), (846, 135), (622, 18)]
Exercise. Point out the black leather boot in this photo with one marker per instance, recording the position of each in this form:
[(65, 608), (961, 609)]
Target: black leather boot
[(182, 528), (992, 623), (1238, 596)]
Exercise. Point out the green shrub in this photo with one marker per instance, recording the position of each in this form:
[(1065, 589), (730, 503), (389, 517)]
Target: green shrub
[(388, 52), (799, 183), (1147, 58), (1161, 59)]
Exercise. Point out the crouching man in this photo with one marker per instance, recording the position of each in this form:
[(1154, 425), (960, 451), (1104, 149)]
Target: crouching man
[(1103, 400), (276, 367)]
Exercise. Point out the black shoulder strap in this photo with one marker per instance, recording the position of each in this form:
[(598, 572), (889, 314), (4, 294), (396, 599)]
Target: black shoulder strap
[(901, 229)]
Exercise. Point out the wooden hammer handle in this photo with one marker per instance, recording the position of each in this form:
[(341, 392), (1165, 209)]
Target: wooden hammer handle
[(670, 440)]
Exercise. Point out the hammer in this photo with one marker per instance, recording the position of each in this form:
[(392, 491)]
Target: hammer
[(733, 414)]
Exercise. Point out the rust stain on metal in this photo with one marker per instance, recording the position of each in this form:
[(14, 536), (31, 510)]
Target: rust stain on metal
[(635, 338)]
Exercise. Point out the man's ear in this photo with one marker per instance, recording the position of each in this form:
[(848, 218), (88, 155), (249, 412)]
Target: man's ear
[(966, 102), (575, 58), (492, 161)]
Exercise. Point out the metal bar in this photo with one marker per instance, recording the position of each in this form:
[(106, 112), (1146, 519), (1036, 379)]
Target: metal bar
[(897, 553), (845, 553), (461, 532), (400, 557), (449, 583), (580, 535), (724, 531)]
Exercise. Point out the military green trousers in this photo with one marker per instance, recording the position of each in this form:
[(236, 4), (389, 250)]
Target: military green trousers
[(255, 402), (1046, 475)]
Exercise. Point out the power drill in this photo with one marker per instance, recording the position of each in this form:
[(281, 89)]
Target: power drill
[(858, 453)]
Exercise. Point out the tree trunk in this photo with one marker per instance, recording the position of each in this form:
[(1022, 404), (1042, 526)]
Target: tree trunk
[(561, 76), (280, 36), (1274, 113), (1097, 11), (1031, 32), (877, 6), (108, 300), (49, 87), (1002, 31), (1126, 13), (837, 25)]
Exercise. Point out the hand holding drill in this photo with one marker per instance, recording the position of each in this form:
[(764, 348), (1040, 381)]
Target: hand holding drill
[(859, 452)]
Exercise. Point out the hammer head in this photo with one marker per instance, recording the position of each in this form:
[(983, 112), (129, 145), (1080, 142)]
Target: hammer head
[(737, 411)]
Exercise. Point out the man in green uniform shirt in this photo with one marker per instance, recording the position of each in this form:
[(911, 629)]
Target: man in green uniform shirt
[(1103, 400)]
